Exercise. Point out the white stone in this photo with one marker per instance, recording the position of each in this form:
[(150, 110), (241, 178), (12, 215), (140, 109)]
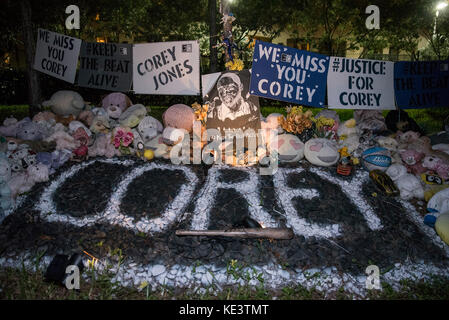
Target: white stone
[(157, 270)]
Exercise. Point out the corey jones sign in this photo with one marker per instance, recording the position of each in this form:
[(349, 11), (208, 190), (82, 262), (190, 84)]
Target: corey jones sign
[(167, 68)]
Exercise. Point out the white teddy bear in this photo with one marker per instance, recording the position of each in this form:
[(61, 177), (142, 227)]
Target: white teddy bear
[(65, 102), (408, 185), (23, 182)]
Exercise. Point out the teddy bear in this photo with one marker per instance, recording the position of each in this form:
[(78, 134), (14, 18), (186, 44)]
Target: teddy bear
[(21, 158), (115, 104), (372, 120), (149, 128), (11, 126), (44, 116), (29, 130), (408, 185), (5, 176), (63, 140), (179, 116), (103, 146), (392, 145), (413, 161), (349, 135), (65, 103), (100, 122), (158, 146), (24, 181), (82, 138), (132, 116), (86, 117), (437, 164), (177, 119)]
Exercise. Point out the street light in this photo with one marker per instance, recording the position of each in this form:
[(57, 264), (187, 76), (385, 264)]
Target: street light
[(440, 6)]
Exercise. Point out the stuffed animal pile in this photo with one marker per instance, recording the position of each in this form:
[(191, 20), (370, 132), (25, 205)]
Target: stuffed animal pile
[(74, 131)]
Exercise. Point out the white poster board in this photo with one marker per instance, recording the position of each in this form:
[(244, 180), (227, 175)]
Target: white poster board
[(360, 84), (171, 68), (57, 55)]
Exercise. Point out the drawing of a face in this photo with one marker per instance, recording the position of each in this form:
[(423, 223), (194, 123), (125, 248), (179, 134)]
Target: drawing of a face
[(229, 90)]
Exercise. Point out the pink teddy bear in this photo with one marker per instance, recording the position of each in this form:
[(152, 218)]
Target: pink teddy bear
[(438, 165), (413, 161)]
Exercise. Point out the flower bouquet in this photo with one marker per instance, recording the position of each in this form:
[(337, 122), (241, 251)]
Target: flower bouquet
[(122, 139), (299, 123)]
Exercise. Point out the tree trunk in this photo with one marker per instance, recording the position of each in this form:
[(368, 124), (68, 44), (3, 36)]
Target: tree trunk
[(34, 90), (213, 35)]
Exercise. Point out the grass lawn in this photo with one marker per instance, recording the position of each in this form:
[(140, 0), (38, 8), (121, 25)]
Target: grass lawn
[(429, 119), (26, 284)]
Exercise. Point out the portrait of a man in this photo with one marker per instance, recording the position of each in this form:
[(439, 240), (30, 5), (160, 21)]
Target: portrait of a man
[(230, 104)]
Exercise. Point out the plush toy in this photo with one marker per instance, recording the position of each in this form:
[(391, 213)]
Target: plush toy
[(401, 121), (23, 182), (75, 125), (441, 147), (158, 146), (29, 130), (349, 135), (65, 120), (149, 128), (59, 157), (376, 158), (115, 104), (44, 116), (370, 120), (442, 227), (103, 146), (405, 138), (440, 137), (86, 117), (63, 140), (391, 145), (82, 138), (413, 161), (9, 128), (437, 164), (439, 203), (65, 103), (132, 116), (321, 152), (5, 176), (179, 116), (21, 158), (100, 123), (408, 185), (172, 136), (288, 147)]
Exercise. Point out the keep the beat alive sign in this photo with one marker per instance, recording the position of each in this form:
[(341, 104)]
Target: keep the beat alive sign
[(167, 68), (360, 84), (57, 55)]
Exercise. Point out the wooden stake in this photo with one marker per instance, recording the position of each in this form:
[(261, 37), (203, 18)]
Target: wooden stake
[(269, 233)]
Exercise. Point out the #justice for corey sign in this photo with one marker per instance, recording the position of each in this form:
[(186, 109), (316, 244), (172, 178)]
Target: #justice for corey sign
[(360, 84)]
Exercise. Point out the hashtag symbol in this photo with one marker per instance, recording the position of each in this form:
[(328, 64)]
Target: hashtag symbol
[(88, 49), (336, 64)]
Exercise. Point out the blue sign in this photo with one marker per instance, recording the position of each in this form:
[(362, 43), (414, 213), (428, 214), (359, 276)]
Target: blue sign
[(421, 84), (288, 74)]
